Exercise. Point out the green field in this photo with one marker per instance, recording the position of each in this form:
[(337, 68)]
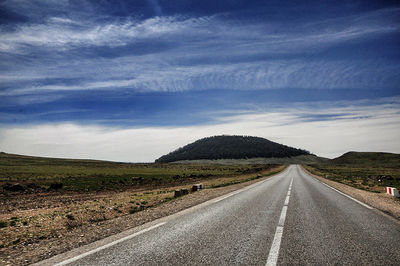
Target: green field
[(36, 173)]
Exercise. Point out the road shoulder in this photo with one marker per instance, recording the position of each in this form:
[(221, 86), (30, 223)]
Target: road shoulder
[(380, 201)]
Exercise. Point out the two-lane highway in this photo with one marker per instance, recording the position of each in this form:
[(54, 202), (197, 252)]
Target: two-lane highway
[(288, 219)]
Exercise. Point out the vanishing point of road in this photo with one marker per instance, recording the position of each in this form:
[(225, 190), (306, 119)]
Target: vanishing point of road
[(288, 219)]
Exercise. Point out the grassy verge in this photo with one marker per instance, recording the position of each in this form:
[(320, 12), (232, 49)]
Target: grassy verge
[(370, 178)]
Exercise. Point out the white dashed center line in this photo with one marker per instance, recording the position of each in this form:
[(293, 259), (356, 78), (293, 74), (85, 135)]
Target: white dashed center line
[(276, 243)]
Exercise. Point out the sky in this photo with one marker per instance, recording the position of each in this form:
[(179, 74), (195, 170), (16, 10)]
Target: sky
[(133, 80)]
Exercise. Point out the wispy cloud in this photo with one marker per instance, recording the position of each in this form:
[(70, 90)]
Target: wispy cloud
[(274, 74), (195, 53), (63, 33), (217, 30)]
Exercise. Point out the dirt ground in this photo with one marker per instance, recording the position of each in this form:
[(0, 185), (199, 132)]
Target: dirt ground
[(40, 226)]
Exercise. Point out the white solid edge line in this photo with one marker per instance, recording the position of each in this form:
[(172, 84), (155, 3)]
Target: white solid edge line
[(225, 197), (65, 262), (340, 192), (236, 192)]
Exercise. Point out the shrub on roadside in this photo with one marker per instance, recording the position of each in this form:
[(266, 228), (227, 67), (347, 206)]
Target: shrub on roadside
[(3, 224)]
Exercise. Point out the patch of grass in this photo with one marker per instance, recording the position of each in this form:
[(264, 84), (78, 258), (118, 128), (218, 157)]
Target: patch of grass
[(97, 218), (168, 199)]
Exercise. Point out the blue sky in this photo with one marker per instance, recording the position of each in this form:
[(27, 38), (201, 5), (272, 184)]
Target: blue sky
[(132, 80)]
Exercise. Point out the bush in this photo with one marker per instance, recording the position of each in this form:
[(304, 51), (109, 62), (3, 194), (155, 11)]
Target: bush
[(73, 222), (56, 186), (13, 187), (3, 224), (136, 209)]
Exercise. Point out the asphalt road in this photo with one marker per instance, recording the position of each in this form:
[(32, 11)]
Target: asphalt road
[(288, 219)]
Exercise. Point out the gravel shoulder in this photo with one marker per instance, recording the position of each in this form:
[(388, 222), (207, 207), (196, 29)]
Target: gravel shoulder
[(381, 201), (69, 239)]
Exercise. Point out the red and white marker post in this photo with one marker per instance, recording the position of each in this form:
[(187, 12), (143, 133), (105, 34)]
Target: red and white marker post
[(392, 191)]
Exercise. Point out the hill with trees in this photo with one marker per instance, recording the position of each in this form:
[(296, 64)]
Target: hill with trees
[(231, 147)]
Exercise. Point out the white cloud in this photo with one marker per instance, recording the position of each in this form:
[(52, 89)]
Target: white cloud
[(360, 128)]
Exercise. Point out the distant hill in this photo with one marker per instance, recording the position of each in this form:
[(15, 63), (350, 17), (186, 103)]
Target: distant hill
[(231, 147), (383, 159), (9, 159)]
